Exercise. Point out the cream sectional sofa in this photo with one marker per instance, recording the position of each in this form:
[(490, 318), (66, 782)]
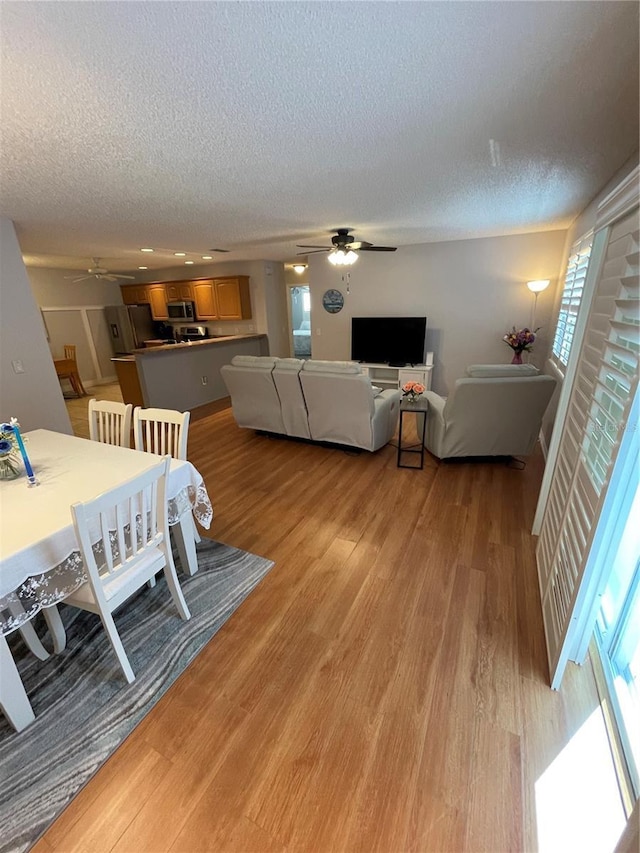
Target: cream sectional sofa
[(329, 401)]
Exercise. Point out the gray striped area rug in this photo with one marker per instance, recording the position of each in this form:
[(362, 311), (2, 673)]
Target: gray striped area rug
[(84, 707)]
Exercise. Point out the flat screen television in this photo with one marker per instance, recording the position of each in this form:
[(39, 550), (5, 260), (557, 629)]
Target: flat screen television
[(388, 340)]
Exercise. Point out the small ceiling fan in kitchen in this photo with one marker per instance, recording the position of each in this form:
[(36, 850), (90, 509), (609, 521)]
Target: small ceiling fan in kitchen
[(100, 273), (344, 249)]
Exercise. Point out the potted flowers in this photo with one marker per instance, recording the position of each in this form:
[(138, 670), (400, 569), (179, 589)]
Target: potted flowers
[(520, 341), (412, 390)]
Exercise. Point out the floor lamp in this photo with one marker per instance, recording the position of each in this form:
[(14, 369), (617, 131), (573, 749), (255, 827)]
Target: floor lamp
[(536, 287)]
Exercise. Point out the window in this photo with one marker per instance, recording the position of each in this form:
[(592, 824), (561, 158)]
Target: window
[(571, 299)]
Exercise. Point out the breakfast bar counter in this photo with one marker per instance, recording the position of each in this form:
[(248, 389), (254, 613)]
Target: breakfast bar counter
[(207, 342), (182, 376)]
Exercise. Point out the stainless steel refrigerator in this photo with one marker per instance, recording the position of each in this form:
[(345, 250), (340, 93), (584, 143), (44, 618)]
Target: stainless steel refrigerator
[(129, 326)]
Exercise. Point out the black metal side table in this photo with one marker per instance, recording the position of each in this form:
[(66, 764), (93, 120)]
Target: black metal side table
[(419, 407)]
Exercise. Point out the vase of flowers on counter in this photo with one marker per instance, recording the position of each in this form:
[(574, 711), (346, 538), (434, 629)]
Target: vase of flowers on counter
[(520, 341), (412, 390)]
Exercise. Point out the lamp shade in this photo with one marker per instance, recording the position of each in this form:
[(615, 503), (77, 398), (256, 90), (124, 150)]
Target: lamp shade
[(299, 268), (539, 285)]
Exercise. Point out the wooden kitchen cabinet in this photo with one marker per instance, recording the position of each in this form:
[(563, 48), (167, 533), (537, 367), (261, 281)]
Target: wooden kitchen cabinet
[(233, 298), (158, 300), (179, 291), (134, 294), (204, 297), (215, 298)]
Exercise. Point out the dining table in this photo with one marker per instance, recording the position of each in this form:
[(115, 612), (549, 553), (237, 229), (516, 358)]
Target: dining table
[(40, 563)]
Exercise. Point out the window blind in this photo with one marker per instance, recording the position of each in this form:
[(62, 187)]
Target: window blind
[(571, 300), (605, 382)]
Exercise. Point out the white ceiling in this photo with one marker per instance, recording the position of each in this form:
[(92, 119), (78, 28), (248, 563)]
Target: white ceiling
[(255, 126)]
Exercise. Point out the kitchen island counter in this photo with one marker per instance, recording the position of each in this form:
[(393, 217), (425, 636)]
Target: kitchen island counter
[(218, 339), (183, 376)]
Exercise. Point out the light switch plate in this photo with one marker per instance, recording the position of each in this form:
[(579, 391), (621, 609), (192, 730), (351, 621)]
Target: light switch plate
[(18, 366)]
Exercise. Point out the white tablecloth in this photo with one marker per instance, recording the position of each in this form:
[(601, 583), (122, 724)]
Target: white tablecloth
[(39, 559)]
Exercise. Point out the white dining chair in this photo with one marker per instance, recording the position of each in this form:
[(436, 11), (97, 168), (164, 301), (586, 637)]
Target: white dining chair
[(14, 702), (130, 524), (163, 431), (110, 422)]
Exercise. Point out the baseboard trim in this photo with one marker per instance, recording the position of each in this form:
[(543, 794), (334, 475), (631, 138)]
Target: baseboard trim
[(210, 408)]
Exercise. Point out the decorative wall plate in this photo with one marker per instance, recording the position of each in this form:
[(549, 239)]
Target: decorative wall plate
[(333, 301)]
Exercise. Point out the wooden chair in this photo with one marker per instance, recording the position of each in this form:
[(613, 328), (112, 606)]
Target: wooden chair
[(139, 506), (110, 422), (67, 368)]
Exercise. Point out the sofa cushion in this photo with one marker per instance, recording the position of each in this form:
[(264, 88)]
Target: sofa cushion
[(495, 371), (262, 362), (289, 363), (332, 366)]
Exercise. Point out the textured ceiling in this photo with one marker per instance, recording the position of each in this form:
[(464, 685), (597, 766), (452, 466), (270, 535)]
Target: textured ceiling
[(256, 126)]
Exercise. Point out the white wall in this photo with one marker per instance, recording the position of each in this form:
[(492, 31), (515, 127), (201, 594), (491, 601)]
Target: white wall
[(472, 292), (73, 313), (34, 397), (51, 288)]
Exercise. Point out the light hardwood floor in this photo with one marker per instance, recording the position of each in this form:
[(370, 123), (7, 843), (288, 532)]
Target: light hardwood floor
[(383, 689)]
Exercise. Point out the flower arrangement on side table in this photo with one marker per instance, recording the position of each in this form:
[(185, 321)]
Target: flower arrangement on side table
[(412, 390), (520, 341)]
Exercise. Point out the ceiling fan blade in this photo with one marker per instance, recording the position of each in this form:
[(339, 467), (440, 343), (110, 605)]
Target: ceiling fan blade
[(130, 277), (358, 244), (313, 252), (379, 249), (311, 247), (82, 277)]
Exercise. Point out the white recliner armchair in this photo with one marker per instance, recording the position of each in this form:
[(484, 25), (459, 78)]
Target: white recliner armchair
[(496, 410), (342, 407)]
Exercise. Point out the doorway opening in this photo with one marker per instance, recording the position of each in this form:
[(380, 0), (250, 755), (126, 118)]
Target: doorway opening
[(300, 306)]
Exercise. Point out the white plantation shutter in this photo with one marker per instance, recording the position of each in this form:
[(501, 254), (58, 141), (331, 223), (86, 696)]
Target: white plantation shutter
[(605, 382), (572, 293)]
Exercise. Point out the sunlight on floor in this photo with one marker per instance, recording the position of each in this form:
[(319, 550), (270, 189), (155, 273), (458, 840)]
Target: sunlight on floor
[(578, 803)]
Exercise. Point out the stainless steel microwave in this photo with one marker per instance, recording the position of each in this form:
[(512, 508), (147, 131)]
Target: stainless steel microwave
[(181, 310)]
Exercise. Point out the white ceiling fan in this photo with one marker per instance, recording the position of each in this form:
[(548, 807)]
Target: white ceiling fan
[(98, 272)]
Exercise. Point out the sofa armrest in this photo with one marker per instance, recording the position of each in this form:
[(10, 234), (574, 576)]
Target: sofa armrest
[(435, 429), (386, 408), (436, 402)]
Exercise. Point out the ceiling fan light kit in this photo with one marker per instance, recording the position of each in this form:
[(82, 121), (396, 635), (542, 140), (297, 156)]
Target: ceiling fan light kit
[(345, 248), (340, 257)]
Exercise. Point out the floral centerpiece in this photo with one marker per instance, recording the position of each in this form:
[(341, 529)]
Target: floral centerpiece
[(412, 390), (520, 341), (10, 464)]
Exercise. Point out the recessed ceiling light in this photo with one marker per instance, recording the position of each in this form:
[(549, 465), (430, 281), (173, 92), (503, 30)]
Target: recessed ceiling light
[(143, 268), (207, 257), (180, 254), (189, 262), (146, 250)]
